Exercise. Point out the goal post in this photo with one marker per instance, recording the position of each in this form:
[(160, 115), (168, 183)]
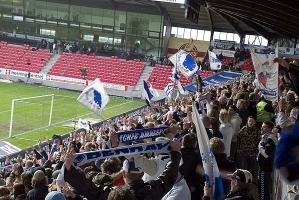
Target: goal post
[(27, 100)]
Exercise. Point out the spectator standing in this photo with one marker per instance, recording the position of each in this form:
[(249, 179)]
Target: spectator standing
[(241, 184), (264, 111), (265, 159), (226, 129), (236, 122), (247, 146), (40, 186)]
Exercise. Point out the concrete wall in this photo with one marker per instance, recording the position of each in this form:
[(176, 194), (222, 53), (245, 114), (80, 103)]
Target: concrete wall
[(130, 93)]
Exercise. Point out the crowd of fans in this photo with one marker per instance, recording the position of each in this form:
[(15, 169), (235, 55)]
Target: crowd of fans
[(243, 128)]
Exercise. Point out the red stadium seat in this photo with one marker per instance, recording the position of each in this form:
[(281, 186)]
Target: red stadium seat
[(22, 57), (109, 70)]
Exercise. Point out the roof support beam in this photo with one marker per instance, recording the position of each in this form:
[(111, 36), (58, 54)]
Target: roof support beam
[(254, 11), (257, 28), (211, 23)]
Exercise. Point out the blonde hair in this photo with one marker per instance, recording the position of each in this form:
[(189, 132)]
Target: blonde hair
[(224, 116)]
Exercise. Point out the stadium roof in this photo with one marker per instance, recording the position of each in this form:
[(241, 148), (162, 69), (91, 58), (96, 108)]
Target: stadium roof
[(269, 18)]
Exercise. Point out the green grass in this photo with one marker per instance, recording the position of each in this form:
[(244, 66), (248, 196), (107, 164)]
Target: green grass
[(31, 116)]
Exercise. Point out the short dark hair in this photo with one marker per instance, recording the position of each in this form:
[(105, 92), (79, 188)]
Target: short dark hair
[(111, 166), (121, 193), (252, 117), (269, 124), (189, 141)]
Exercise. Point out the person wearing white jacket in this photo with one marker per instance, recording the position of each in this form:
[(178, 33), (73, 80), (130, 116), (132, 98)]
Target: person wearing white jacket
[(226, 129), (236, 122)]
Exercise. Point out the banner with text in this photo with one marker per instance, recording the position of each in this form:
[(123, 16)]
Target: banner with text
[(157, 147), (18, 73), (140, 134)]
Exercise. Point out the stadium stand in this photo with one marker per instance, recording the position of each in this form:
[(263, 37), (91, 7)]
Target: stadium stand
[(159, 77), (109, 70), (247, 65), (227, 61), (22, 58)]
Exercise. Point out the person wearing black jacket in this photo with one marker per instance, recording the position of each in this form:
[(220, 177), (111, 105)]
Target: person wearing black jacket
[(152, 190), (265, 160), (191, 158)]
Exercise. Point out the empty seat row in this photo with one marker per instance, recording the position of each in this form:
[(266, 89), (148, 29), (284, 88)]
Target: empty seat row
[(22, 58), (109, 70)]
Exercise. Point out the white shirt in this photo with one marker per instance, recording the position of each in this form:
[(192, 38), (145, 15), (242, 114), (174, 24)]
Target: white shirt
[(179, 191), (227, 133)]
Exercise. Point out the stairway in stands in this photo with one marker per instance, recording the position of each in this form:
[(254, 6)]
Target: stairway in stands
[(50, 64), (144, 76)]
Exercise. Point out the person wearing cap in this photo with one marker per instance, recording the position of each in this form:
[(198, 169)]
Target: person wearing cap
[(55, 196), (154, 189), (240, 187), (40, 186)]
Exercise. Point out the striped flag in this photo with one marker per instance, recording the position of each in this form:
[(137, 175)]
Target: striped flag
[(181, 88), (169, 89), (210, 166), (148, 94)]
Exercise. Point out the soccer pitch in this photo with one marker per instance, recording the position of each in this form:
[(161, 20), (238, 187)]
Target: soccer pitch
[(31, 117)]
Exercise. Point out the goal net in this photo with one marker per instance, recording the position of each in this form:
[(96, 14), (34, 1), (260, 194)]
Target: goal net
[(30, 113), (39, 112)]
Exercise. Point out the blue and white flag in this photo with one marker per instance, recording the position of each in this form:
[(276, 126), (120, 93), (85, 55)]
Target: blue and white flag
[(184, 62), (169, 89), (181, 88), (150, 93), (210, 166), (175, 75), (215, 63), (83, 123), (140, 134), (94, 97), (147, 92)]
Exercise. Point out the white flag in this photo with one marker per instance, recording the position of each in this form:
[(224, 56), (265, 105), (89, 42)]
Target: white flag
[(94, 97), (83, 123), (266, 72), (185, 63), (215, 63), (210, 166)]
